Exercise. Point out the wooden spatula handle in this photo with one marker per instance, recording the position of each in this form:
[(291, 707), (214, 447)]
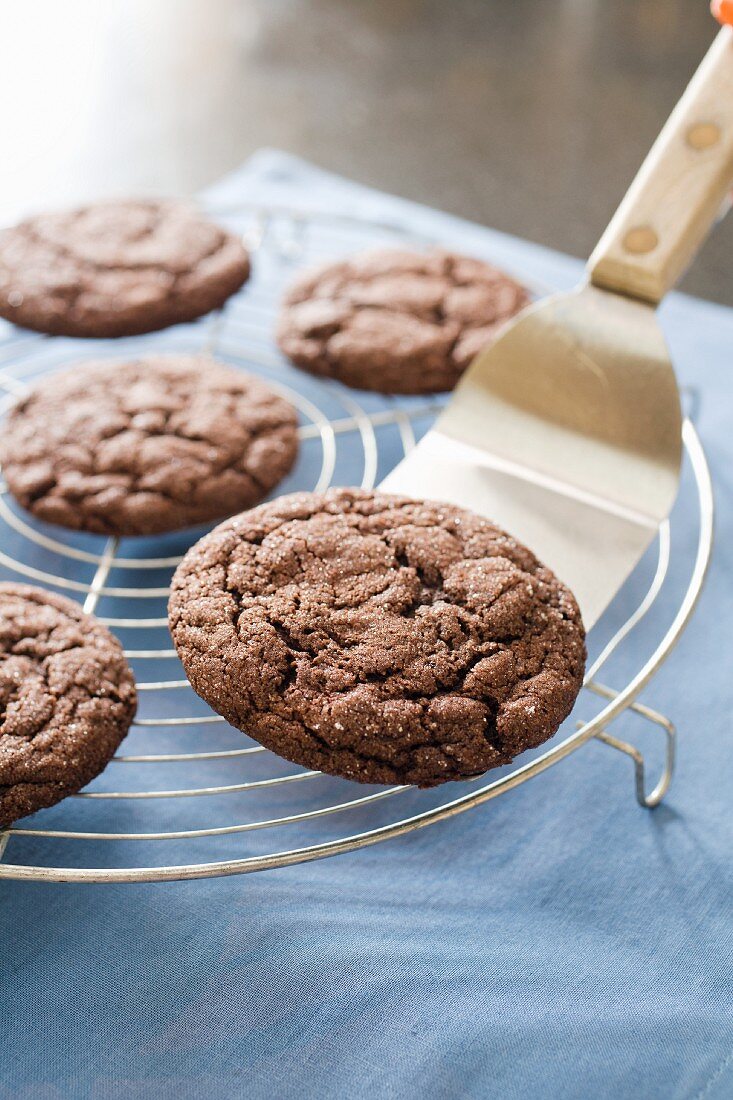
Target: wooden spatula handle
[(678, 190)]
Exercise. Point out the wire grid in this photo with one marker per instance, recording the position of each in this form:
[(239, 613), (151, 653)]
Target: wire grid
[(347, 438)]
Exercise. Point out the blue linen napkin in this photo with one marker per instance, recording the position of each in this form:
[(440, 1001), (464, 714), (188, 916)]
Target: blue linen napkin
[(557, 942)]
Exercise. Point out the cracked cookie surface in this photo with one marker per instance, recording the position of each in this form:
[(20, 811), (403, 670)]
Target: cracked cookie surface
[(396, 321), (67, 698), (147, 446), (117, 268), (379, 638)]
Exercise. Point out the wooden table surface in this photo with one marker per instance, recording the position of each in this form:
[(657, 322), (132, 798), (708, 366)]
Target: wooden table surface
[(530, 117)]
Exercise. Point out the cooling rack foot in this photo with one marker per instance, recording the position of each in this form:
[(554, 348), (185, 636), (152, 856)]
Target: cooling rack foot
[(656, 795)]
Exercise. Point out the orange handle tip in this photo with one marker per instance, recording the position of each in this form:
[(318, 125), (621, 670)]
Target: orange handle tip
[(722, 10)]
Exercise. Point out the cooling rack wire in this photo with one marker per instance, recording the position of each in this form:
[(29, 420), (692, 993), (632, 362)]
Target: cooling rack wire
[(218, 798)]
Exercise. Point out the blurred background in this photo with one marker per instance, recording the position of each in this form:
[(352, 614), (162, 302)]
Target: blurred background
[(528, 116)]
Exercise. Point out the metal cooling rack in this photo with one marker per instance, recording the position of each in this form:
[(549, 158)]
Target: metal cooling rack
[(218, 802)]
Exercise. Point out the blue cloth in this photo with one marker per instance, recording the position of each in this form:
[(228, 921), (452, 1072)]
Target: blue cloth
[(558, 942)]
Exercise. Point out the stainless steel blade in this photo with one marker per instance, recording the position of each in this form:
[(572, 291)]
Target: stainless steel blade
[(567, 433)]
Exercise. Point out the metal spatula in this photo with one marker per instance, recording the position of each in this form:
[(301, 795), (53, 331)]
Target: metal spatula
[(567, 430)]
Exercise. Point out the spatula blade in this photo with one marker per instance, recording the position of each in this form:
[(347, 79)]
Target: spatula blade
[(566, 433)]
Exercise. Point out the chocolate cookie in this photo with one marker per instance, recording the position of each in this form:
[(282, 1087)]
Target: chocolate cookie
[(67, 697), (396, 321), (146, 446), (378, 638), (117, 268)]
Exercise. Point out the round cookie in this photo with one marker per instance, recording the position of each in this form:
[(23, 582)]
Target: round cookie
[(378, 638), (67, 696), (117, 268), (396, 321), (147, 446)]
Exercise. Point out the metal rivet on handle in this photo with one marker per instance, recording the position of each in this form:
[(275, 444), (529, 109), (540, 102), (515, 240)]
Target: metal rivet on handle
[(703, 135), (641, 238)]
